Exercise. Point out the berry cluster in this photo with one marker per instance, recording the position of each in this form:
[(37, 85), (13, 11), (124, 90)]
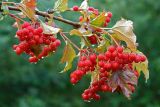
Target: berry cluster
[(34, 43), (115, 59), (108, 19), (85, 65), (95, 87)]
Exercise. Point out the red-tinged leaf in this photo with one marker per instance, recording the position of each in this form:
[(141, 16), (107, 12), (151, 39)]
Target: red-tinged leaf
[(122, 79), (30, 3), (68, 56)]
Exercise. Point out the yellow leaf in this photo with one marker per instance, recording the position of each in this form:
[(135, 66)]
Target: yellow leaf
[(99, 20), (68, 56), (103, 46), (81, 32), (29, 12), (61, 5), (142, 67), (76, 32), (123, 30)]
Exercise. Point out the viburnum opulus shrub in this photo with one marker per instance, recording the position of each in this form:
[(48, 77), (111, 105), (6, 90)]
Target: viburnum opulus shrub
[(108, 55)]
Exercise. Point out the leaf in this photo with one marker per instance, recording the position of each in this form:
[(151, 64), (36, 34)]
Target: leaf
[(122, 79), (61, 5), (103, 45), (99, 20), (29, 12), (68, 56), (124, 31), (142, 67), (84, 5), (30, 3), (49, 29), (81, 32)]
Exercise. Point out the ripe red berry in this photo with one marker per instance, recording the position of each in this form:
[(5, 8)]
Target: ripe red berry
[(75, 8), (96, 97), (91, 9), (109, 14), (18, 51), (108, 19), (85, 97), (119, 49), (111, 49), (93, 57), (101, 57), (33, 59)]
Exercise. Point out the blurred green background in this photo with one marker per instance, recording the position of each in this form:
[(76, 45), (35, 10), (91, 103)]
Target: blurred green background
[(41, 85)]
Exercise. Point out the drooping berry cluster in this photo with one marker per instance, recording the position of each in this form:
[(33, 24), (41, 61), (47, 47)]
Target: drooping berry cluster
[(34, 43), (108, 19), (85, 65), (115, 59)]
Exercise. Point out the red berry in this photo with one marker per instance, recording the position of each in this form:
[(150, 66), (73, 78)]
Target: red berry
[(109, 14), (85, 97), (58, 43), (101, 57), (111, 49), (104, 88), (80, 18), (33, 59), (18, 51), (119, 49), (108, 19), (25, 25), (75, 8), (91, 9), (93, 57), (96, 97)]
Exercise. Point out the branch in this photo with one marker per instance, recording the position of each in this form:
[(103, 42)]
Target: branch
[(44, 14)]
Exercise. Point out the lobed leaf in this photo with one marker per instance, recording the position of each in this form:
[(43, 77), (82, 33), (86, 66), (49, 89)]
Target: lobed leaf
[(122, 79), (68, 56)]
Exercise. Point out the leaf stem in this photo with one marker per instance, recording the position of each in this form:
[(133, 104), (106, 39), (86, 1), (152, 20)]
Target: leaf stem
[(15, 17), (66, 38)]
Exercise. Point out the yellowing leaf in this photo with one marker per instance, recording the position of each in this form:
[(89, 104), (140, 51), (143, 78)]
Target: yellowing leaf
[(61, 5), (68, 56), (30, 3), (99, 20), (142, 67), (84, 5), (29, 12), (49, 29), (76, 32), (124, 31)]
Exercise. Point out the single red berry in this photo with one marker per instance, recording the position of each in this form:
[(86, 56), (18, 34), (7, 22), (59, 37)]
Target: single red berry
[(143, 58), (25, 25), (58, 42), (18, 51), (74, 80), (115, 66), (109, 14), (107, 66), (75, 8), (91, 9), (33, 59), (119, 49), (85, 97), (111, 49), (93, 57), (96, 97), (101, 57), (108, 19), (104, 87)]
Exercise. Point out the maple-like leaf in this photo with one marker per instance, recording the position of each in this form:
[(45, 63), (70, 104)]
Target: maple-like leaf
[(68, 56), (122, 79), (124, 31)]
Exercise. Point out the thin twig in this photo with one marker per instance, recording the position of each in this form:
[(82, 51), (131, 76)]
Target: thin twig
[(45, 14), (105, 32), (15, 17), (66, 38)]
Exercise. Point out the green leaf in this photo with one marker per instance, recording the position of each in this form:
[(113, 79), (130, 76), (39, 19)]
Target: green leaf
[(68, 56), (103, 46), (99, 20), (122, 79), (61, 5), (123, 30), (49, 29)]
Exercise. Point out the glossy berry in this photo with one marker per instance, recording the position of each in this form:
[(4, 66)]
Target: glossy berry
[(75, 8)]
